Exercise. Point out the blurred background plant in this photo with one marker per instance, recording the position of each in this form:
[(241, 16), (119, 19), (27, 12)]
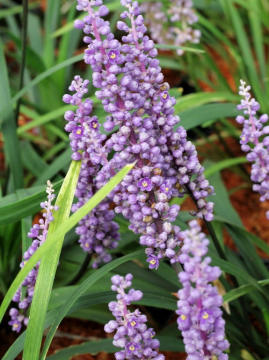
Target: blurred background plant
[(39, 54)]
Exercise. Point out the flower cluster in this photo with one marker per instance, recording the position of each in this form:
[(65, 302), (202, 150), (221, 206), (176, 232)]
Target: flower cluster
[(132, 334), (174, 25), (200, 318), (141, 116), (97, 232), (255, 141), (25, 293)]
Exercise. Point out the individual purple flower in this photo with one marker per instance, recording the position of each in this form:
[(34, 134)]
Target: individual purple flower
[(166, 188), (255, 141), (153, 262), (113, 56), (25, 293), (132, 334), (145, 184), (174, 25), (164, 96), (137, 101), (199, 314)]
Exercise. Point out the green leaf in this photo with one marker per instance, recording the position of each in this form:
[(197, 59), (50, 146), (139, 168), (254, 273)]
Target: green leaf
[(200, 98), (48, 266), (61, 231), (60, 163), (175, 47), (242, 290), (67, 47), (154, 299), (89, 347), (202, 114), (80, 290), (44, 119), (14, 10), (222, 204), (253, 262), (46, 74), (8, 126), (245, 48), (51, 21), (171, 343), (243, 277), (255, 239), (224, 164), (31, 160)]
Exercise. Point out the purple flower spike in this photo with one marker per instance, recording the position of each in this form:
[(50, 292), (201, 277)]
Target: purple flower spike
[(255, 141), (132, 334), (180, 16), (97, 231), (131, 88), (39, 234), (200, 318), (145, 184)]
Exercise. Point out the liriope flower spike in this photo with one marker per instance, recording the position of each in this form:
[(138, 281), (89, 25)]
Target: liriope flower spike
[(132, 334), (97, 231), (199, 314), (131, 88), (173, 26), (255, 141), (38, 233)]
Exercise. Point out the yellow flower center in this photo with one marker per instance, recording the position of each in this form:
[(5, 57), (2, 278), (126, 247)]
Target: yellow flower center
[(15, 326), (131, 347), (165, 96), (152, 262), (112, 56), (144, 184), (205, 316), (167, 189), (79, 131), (133, 323), (86, 245), (94, 125), (183, 317)]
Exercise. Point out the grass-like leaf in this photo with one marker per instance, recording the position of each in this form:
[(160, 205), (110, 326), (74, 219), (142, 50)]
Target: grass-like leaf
[(46, 74), (48, 266), (8, 126), (80, 290)]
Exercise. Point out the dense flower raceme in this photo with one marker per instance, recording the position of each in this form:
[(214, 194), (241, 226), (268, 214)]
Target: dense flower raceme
[(25, 293), (255, 141), (132, 334), (200, 318), (97, 232), (173, 25), (141, 118)]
